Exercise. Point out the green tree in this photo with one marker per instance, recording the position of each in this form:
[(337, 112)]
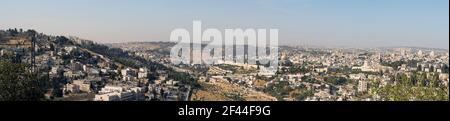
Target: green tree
[(17, 84), (336, 80), (405, 91)]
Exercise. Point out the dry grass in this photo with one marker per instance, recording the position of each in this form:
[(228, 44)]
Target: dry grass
[(224, 91)]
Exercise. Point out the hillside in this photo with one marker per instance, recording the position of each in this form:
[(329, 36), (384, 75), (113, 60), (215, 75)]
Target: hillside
[(225, 91)]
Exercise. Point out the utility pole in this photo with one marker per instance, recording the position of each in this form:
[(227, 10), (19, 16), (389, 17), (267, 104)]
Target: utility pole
[(33, 56)]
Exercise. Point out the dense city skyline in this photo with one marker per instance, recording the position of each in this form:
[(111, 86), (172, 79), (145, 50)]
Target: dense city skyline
[(350, 23), (224, 59)]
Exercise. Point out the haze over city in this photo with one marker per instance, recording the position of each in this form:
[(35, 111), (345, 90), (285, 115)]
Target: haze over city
[(348, 23)]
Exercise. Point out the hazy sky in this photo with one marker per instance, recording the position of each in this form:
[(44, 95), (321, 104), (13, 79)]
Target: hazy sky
[(354, 23)]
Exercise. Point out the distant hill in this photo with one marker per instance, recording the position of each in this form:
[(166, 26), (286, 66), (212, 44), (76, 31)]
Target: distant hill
[(13, 38)]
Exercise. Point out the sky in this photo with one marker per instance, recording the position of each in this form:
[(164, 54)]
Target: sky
[(333, 23)]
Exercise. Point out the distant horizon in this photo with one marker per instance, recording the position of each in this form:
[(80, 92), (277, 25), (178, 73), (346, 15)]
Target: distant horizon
[(294, 45), (290, 45), (330, 23)]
